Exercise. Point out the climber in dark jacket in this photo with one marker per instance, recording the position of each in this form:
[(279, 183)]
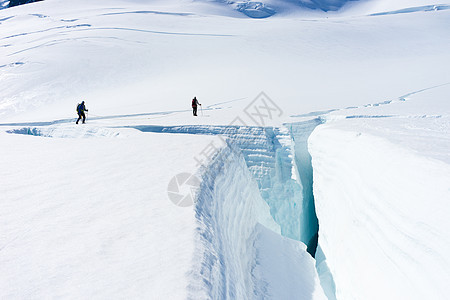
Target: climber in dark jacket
[(194, 106), (81, 108)]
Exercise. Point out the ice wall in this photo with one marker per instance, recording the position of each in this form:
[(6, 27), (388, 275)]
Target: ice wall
[(238, 256), (268, 153)]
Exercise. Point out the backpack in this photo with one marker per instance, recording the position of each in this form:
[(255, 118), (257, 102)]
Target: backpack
[(194, 102), (78, 107)]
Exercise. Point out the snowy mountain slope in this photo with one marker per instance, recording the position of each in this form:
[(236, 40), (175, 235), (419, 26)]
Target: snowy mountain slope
[(77, 52), (417, 121)]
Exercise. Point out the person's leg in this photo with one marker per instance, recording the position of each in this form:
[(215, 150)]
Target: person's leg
[(84, 117), (195, 111), (79, 118)]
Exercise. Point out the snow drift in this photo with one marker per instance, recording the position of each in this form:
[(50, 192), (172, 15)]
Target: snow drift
[(379, 217), (381, 185)]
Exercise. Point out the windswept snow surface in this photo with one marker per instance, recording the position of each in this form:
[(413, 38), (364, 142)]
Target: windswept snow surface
[(126, 57), (84, 211), (90, 218)]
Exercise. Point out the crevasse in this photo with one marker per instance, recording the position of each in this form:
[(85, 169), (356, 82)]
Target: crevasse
[(240, 251), (300, 133), (263, 175)]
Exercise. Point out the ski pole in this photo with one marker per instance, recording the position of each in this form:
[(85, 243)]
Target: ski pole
[(201, 107)]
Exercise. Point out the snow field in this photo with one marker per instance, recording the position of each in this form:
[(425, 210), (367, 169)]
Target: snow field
[(381, 187), (90, 217)]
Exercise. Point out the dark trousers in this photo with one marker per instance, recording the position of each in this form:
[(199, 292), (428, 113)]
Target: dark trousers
[(81, 115), (194, 110)]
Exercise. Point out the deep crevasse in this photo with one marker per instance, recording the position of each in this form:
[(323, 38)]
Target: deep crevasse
[(238, 257), (309, 234), (255, 181)]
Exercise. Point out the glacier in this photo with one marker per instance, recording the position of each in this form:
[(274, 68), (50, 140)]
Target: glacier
[(342, 195)]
